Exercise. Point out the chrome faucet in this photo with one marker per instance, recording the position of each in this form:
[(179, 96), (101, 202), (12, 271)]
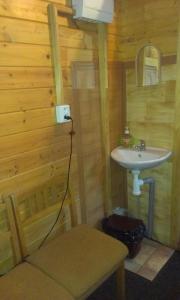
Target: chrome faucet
[(141, 146)]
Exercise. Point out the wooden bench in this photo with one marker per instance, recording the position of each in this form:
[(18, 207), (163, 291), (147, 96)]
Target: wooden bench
[(79, 260), (24, 281)]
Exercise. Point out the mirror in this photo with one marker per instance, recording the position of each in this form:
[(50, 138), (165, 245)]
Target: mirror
[(148, 66)]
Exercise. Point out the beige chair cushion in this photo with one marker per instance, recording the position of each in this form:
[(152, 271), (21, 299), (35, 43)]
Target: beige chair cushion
[(80, 258), (28, 283)]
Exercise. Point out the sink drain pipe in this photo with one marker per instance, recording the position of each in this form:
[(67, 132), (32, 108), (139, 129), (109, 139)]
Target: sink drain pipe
[(137, 183), (150, 222)]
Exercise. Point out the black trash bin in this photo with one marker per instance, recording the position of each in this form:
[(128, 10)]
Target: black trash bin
[(128, 230)]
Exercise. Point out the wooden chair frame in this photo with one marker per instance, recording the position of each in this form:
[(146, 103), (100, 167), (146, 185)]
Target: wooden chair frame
[(119, 269), (69, 212), (16, 251)]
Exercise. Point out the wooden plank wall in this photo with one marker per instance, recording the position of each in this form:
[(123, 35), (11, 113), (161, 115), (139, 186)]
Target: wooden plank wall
[(151, 110), (151, 116), (142, 21), (33, 148)]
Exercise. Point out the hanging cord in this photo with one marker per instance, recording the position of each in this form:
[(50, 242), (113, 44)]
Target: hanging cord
[(67, 182)]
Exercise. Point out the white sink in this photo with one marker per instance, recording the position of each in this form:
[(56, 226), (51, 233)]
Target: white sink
[(138, 160)]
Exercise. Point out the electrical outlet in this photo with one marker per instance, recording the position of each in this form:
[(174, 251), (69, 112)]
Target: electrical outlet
[(61, 112)]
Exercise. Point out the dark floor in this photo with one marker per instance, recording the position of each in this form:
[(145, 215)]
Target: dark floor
[(166, 285)]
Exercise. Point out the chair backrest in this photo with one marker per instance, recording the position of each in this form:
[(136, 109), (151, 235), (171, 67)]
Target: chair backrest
[(35, 212), (10, 254)]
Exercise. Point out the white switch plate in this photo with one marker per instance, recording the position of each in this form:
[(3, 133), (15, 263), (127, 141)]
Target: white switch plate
[(61, 112)]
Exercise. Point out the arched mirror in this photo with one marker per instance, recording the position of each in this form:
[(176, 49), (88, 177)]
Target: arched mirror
[(148, 64)]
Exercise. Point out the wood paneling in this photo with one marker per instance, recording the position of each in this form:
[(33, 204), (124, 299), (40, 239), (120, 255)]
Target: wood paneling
[(23, 31), (28, 180), (27, 161), (89, 151), (33, 148), (152, 112), (16, 55), (12, 145), (150, 115), (26, 121), (36, 10), (140, 22), (104, 113), (56, 51), (117, 122), (26, 99), (22, 77), (35, 33)]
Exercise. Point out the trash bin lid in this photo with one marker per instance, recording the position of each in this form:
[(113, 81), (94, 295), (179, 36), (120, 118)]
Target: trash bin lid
[(124, 223)]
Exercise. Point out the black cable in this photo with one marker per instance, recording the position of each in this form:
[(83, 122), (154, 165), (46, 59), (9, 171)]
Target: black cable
[(67, 184)]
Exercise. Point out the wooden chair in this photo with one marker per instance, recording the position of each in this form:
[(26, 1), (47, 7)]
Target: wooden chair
[(23, 281), (80, 259), (36, 211), (10, 254)]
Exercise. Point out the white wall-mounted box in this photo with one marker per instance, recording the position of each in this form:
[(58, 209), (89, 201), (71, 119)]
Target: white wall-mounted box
[(61, 112), (94, 10)]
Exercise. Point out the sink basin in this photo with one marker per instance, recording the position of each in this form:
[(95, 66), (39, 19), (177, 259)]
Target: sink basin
[(139, 160)]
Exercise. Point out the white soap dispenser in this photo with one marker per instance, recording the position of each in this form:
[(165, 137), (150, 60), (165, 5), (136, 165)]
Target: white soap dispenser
[(127, 137)]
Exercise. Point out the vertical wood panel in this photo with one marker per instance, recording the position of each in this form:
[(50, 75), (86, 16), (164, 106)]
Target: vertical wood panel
[(175, 210), (56, 53), (103, 75), (89, 152), (117, 121)]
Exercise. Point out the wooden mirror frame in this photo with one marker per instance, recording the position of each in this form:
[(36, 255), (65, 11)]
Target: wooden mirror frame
[(139, 82)]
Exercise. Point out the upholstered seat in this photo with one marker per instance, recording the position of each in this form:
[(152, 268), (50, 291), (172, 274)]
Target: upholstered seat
[(80, 259), (28, 283)]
